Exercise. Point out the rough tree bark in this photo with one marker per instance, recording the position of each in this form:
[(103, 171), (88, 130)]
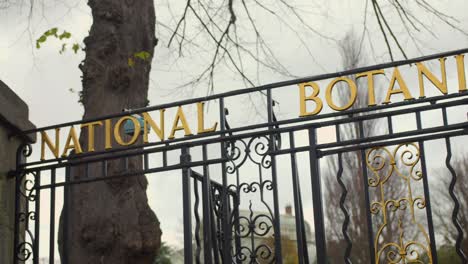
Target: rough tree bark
[(110, 221)]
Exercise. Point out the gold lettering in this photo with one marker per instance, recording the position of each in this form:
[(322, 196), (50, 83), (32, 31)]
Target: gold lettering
[(353, 93), (401, 83), (90, 126), (136, 130), (107, 136), (148, 120), (461, 72), (184, 124), (423, 70), (68, 145), (201, 120), (370, 84), (45, 140), (313, 97)]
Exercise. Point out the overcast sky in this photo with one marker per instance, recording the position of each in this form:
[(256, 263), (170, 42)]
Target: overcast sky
[(49, 82)]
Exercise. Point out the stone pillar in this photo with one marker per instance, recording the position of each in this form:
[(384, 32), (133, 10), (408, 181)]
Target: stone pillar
[(13, 118)]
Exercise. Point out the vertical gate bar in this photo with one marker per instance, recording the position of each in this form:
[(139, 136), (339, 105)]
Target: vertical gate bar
[(104, 168), (17, 212), (126, 163), (300, 234), (236, 198), (188, 253), (37, 216), (344, 193), (430, 223), (277, 222), (237, 216), (456, 207), (165, 156), (66, 208), (206, 196), (18, 177), (145, 161), (370, 233), (86, 170), (390, 124), (214, 232), (321, 249), (52, 218), (304, 237), (455, 222), (226, 233), (197, 221)]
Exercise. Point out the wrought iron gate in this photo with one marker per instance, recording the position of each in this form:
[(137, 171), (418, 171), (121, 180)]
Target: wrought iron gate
[(237, 218)]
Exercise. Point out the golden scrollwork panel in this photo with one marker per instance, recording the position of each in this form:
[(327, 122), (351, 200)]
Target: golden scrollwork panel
[(394, 179)]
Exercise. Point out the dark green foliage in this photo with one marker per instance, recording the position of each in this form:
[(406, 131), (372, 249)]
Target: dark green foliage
[(448, 254), (164, 255)]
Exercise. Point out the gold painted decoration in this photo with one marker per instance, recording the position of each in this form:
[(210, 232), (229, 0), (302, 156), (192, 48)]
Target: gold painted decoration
[(401, 237)]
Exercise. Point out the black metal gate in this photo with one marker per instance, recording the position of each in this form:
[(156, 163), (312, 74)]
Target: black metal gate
[(237, 217)]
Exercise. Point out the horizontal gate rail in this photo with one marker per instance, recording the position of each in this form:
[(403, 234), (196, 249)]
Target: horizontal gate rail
[(172, 144), (147, 149), (458, 130)]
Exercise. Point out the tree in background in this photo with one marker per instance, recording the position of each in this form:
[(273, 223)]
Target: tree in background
[(352, 170), (111, 220), (350, 177)]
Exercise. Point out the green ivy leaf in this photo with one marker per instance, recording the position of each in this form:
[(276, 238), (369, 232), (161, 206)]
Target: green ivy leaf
[(62, 50), (144, 55), (51, 32), (131, 62), (43, 38), (65, 35), (40, 40), (76, 47)]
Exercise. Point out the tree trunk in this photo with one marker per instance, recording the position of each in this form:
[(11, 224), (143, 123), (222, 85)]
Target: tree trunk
[(110, 221)]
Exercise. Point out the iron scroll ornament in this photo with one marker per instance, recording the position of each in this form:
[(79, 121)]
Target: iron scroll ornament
[(255, 228), (402, 164), (25, 194)]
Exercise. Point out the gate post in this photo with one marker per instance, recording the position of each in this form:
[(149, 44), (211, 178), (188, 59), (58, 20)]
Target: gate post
[(13, 118)]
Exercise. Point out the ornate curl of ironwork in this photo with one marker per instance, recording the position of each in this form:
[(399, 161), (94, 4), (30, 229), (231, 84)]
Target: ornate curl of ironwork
[(27, 187), (25, 249), (255, 229), (252, 231), (26, 184), (24, 151), (403, 164), (255, 149), (26, 191)]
